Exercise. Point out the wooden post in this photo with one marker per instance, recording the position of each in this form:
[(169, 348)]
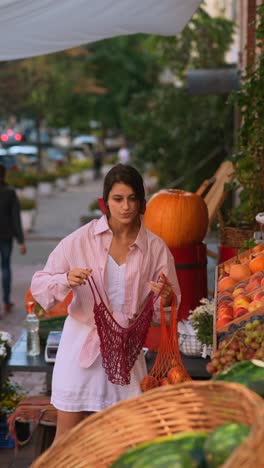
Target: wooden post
[(251, 32)]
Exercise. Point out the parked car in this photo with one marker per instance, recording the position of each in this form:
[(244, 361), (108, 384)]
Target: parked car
[(81, 140), (55, 154), (44, 135), (10, 136), (26, 155)]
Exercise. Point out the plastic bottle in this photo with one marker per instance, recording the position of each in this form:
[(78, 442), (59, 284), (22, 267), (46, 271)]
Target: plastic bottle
[(32, 326)]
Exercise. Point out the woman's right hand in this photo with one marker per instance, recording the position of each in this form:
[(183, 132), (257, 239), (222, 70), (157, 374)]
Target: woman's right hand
[(78, 276)]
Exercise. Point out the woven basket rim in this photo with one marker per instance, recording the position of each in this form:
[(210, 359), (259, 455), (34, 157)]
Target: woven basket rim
[(150, 408)]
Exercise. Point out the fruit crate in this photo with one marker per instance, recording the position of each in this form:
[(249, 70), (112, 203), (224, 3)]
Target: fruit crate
[(254, 288)]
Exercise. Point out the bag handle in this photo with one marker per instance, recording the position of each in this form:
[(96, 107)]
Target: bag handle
[(94, 289)]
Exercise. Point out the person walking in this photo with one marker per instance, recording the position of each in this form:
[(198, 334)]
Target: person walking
[(98, 156), (125, 262), (124, 153), (10, 228)]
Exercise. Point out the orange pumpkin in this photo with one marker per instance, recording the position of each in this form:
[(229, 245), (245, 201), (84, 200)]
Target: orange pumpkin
[(180, 218)]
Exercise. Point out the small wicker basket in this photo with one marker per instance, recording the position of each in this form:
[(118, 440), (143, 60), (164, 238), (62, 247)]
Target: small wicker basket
[(190, 345), (234, 237), (99, 440)]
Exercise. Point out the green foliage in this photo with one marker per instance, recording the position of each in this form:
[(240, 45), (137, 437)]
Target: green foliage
[(16, 179), (48, 177), (124, 67), (27, 204), (249, 153), (201, 319), (172, 129), (10, 396)]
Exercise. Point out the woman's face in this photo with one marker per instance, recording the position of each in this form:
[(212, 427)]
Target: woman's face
[(122, 204)]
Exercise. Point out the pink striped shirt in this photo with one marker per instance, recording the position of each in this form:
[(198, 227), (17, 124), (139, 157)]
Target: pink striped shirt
[(88, 247)]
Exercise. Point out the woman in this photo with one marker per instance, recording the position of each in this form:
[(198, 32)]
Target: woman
[(126, 261)]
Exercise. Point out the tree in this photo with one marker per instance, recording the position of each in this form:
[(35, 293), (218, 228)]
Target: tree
[(124, 67), (52, 87), (172, 129)]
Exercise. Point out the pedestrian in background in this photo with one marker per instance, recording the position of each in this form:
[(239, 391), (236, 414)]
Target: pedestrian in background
[(10, 228), (127, 261), (124, 153), (98, 156)]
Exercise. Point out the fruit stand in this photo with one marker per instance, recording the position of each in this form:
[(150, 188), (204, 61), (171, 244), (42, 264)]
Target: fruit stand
[(239, 310)]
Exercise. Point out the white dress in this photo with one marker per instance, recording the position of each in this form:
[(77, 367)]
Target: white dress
[(88, 389)]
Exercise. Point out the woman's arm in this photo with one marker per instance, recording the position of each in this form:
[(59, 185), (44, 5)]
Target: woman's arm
[(50, 285)]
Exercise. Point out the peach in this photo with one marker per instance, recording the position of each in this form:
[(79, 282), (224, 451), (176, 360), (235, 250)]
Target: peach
[(226, 283), (225, 310), (258, 248), (222, 321), (259, 274), (253, 284), (258, 296), (239, 272), (225, 293), (238, 291), (254, 305), (164, 381), (257, 263), (241, 301), (262, 283), (174, 375), (239, 311), (225, 301)]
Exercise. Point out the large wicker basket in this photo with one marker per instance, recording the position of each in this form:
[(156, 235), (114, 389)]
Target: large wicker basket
[(100, 439)]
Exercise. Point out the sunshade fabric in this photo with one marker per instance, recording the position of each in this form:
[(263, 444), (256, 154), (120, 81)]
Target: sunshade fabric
[(36, 27)]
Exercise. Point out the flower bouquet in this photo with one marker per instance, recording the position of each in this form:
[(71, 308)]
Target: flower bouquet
[(10, 395), (196, 333), (5, 346), (201, 319)]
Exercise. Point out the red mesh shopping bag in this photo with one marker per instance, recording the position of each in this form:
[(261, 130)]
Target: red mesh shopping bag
[(120, 346), (168, 367)]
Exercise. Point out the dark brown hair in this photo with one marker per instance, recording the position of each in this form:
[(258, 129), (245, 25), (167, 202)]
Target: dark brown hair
[(128, 175)]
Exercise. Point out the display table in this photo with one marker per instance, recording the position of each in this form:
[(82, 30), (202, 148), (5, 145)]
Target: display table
[(20, 362)]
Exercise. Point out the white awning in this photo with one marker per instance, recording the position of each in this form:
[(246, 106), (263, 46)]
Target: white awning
[(36, 27)]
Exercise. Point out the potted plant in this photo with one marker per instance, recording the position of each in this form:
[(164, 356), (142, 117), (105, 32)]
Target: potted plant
[(248, 158), (28, 212), (94, 211), (10, 395), (46, 182), (31, 182), (16, 180)]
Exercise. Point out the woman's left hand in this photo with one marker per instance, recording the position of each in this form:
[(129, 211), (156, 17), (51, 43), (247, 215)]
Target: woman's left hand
[(167, 291)]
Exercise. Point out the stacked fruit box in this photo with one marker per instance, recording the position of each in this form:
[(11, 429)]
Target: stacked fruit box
[(239, 291)]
